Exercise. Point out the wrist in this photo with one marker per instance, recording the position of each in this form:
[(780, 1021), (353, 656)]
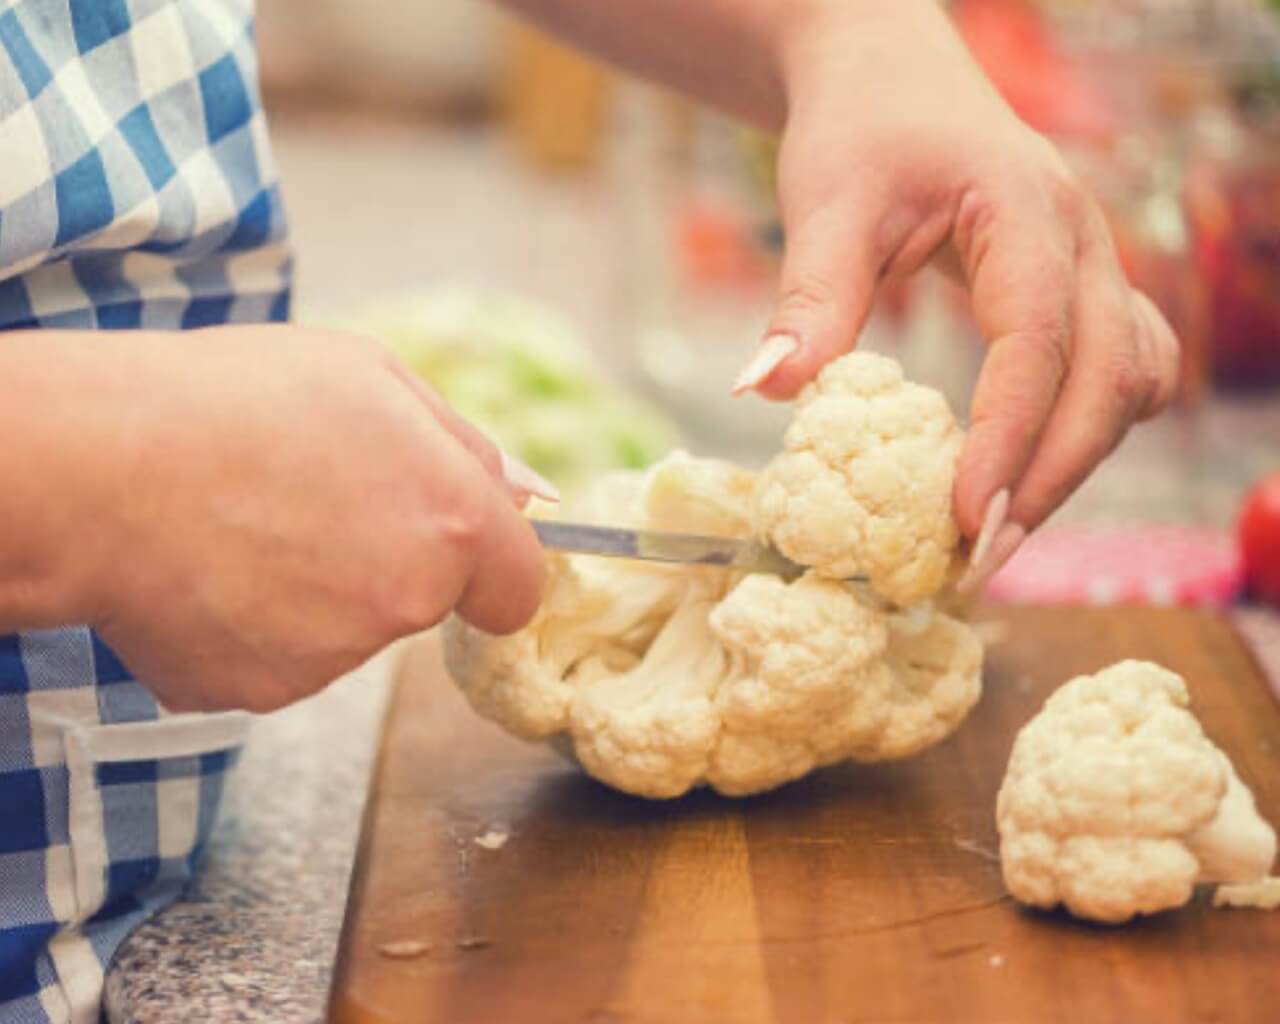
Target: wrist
[(876, 39)]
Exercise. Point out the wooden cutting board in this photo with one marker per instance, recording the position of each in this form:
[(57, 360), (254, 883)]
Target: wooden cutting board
[(864, 893)]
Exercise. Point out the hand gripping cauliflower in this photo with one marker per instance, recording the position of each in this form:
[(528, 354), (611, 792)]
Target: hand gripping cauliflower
[(658, 678), (1115, 802), (865, 482)]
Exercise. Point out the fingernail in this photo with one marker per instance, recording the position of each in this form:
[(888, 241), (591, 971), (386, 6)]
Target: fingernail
[(1006, 541), (523, 480), (774, 350), (997, 509)]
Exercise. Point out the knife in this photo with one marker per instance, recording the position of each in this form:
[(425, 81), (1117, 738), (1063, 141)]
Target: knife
[(659, 546)]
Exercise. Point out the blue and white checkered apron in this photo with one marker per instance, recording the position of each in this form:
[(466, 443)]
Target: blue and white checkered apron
[(136, 190)]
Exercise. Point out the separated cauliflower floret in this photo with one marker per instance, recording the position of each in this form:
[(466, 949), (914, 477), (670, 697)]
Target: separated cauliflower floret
[(1115, 803), (658, 679), (865, 483)]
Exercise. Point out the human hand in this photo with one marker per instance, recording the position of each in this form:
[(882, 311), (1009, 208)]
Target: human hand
[(289, 501), (897, 151)]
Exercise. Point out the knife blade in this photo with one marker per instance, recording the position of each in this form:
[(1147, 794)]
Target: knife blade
[(750, 556)]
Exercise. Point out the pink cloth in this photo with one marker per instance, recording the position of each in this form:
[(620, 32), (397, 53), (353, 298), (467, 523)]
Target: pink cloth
[(1163, 565), (1160, 565)]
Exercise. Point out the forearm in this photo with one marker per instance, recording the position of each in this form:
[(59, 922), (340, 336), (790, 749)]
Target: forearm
[(723, 52), (59, 465), (751, 58)]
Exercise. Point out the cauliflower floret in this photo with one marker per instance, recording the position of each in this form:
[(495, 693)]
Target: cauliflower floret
[(657, 679), (865, 483), (807, 652), (651, 731), (1115, 803), (594, 617), (829, 677), (936, 675)]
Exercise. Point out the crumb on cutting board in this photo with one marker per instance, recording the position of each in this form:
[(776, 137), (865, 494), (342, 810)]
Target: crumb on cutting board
[(991, 631), (494, 839), (472, 942), (402, 949), (1261, 895), (976, 848)]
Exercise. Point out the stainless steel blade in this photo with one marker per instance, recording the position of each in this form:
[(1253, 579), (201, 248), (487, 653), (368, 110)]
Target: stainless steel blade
[(660, 546)]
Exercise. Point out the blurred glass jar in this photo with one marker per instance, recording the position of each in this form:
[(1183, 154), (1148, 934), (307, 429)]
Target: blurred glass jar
[(1233, 199), (697, 244), (1140, 181), (1192, 181)]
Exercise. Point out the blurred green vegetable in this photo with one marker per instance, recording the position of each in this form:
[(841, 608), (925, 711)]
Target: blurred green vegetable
[(519, 372)]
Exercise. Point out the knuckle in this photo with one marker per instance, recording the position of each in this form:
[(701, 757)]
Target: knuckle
[(1046, 344), (1130, 383), (1014, 416), (1066, 195), (1163, 356), (412, 603), (1165, 387), (975, 214), (806, 292), (466, 523), (414, 596)]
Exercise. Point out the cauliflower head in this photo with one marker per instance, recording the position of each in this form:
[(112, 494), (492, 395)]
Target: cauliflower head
[(864, 484), (1115, 803), (658, 679)]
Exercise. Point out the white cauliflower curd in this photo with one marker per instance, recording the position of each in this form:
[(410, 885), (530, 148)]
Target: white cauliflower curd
[(663, 678), (865, 482), (1115, 803)]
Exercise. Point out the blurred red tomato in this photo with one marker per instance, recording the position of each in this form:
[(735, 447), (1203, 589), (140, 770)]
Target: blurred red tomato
[(1260, 539)]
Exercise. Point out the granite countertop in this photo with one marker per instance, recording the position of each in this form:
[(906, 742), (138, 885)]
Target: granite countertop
[(256, 938)]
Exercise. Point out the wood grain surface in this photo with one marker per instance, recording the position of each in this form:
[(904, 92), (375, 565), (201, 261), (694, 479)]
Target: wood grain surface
[(863, 893)]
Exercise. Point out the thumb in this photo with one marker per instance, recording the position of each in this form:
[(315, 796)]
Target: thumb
[(829, 274)]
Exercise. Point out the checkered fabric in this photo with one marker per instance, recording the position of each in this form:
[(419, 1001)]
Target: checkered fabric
[(136, 190), (136, 182), (105, 804)]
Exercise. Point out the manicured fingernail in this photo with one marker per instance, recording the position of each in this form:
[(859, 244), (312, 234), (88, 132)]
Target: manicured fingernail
[(1006, 541), (523, 480), (997, 509), (775, 349)]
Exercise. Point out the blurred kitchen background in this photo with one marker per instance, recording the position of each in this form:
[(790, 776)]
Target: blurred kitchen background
[(581, 262)]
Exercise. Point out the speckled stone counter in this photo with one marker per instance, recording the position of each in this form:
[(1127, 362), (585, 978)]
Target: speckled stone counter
[(255, 939)]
